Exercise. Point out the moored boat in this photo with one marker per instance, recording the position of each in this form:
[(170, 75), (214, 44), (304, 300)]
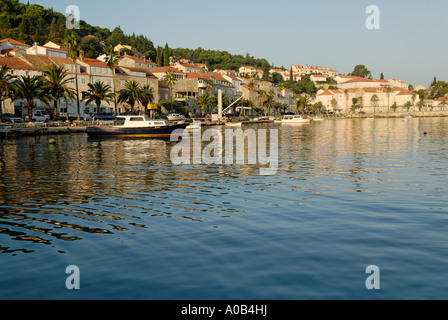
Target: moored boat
[(135, 127), (294, 119), (175, 117)]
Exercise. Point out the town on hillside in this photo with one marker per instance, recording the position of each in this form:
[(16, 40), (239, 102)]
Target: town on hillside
[(188, 81)]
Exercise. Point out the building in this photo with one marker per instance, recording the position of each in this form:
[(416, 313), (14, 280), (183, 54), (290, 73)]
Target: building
[(303, 70), (248, 71), (11, 47), (19, 67), (50, 49), (398, 83), (134, 51), (160, 72), (136, 62)]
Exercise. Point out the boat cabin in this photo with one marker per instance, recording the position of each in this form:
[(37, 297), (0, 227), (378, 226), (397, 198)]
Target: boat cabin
[(138, 121)]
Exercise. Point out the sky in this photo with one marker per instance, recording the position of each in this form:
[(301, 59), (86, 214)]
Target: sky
[(411, 43)]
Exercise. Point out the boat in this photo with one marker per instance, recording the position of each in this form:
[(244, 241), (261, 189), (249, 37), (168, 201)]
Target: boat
[(294, 119), (175, 117), (194, 126), (318, 119), (135, 127), (408, 116), (234, 124)]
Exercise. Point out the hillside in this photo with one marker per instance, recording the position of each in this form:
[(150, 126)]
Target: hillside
[(31, 23)]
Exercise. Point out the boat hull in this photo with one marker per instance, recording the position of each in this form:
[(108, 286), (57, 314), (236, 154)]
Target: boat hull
[(142, 132)]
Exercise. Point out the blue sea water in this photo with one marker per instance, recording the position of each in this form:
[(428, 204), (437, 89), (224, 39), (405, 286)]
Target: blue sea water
[(347, 194)]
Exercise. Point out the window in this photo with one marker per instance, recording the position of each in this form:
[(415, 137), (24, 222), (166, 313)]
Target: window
[(136, 119), (83, 81), (122, 84)]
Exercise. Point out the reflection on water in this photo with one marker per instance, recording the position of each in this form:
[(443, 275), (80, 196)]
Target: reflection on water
[(341, 172)]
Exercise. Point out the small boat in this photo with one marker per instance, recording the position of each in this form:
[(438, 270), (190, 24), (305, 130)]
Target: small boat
[(318, 119), (175, 117), (408, 116), (294, 119), (370, 118), (194, 126), (135, 127), (234, 124)]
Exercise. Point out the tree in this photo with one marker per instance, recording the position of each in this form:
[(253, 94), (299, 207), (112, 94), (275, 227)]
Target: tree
[(443, 103), (97, 93), (131, 94), (407, 105), (203, 101), (166, 56), (388, 90), (71, 45), (334, 103), (382, 76), (29, 88), (112, 61), (91, 46), (57, 86), (374, 101), (421, 104), (5, 85), (170, 80), (361, 71), (394, 107), (146, 95), (209, 86)]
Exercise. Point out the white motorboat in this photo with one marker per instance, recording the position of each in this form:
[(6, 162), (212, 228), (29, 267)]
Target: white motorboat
[(175, 117), (294, 119), (135, 127), (234, 124), (194, 126)]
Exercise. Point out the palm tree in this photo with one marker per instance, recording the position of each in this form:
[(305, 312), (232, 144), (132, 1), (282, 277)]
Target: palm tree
[(209, 86), (346, 96), (388, 90), (361, 102), (112, 61), (29, 88), (414, 97), (131, 93), (334, 103), (444, 103), (203, 101), (147, 95), (408, 105), (97, 93), (374, 101), (71, 45), (170, 80), (5, 85), (421, 104), (56, 85)]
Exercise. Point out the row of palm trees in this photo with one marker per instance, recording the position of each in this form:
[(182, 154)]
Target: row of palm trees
[(53, 86)]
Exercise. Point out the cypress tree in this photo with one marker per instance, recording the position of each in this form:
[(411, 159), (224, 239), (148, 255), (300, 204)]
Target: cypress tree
[(166, 56)]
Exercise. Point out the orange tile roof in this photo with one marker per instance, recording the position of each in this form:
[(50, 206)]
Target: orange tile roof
[(138, 59), (15, 63), (166, 69), (93, 62), (15, 42)]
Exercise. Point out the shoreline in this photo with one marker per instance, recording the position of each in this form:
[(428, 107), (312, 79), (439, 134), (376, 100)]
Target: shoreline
[(9, 131)]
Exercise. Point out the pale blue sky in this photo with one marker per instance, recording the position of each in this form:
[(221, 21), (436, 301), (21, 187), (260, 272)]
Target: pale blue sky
[(412, 43)]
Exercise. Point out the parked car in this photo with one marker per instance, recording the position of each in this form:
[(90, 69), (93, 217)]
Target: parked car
[(8, 117), (39, 116)]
